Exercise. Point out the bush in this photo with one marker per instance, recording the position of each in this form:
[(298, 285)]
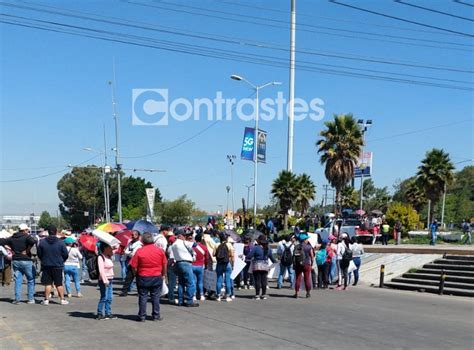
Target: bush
[(405, 213)]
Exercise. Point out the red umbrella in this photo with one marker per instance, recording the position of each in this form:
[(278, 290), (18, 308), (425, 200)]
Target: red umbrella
[(124, 237), (88, 242)]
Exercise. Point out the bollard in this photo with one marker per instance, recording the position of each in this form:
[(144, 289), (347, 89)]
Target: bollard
[(442, 277), (382, 274)]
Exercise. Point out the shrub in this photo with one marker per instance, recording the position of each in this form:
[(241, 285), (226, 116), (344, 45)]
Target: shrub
[(405, 213)]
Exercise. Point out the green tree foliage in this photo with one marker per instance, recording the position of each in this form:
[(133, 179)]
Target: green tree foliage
[(284, 190), (349, 197), (176, 212), (45, 220), (340, 147), (434, 174), (306, 192), (403, 213)]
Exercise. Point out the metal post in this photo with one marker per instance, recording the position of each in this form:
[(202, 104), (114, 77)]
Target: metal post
[(429, 212), (361, 188), (255, 160), (291, 101), (442, 278), (232, 187), (117, 153), (442, 209), (382, 275), (227, 207)]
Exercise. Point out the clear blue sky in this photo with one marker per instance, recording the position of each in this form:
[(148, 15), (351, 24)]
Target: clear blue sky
[(55, 97)]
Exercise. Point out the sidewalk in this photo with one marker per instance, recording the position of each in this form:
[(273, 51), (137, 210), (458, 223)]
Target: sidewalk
[(421, 249)]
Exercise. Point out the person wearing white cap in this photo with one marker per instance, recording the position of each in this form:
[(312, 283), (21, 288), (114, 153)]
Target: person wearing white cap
[(21, 244)]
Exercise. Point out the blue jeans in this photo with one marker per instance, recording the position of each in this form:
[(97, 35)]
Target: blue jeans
[(186, 287), (71, 271), (171, 283), (198, 272), (291, 272), (25, 268), (221, 270), (105, 302), (123, 269), (333, 270), (433, 238), (357, 263)]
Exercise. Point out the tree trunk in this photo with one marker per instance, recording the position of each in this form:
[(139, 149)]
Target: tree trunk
[(285, 221), (338, 201)]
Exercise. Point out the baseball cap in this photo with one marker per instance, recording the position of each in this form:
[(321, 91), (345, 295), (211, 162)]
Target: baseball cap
[(23, 227)]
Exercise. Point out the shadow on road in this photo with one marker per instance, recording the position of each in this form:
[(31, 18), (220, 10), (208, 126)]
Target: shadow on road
[(82, 314)]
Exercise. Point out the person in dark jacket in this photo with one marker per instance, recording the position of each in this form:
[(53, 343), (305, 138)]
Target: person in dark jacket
[(21, 243), (53, 253), (260, 255)]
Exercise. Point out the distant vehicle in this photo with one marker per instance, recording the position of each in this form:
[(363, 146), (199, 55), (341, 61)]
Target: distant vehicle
[(351, 226)]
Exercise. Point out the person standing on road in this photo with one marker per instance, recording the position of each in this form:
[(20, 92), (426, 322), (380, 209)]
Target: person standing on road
[(149, 265), (321, 262), (260, 255), (106, 276), (71, 267), (303, 259), (466, 230), (53, 253), (203, 259), (398, 232), (357, 252), (385, 232), (434, 232), (285, 254), (171, 271), (225, 258), (345, 254), (182, 252), (129, 252), (21, 243)]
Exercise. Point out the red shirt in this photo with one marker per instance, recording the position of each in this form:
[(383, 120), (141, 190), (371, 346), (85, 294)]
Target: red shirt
[(202, 254), (149, 261)]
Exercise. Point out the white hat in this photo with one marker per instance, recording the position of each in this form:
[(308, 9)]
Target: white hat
[(23, 227)]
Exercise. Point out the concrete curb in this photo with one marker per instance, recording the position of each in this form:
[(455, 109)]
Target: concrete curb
[(404, 249)]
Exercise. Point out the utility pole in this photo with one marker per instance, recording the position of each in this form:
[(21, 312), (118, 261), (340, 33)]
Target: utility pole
[(106, 173), (442, 209), (364, 124), (118, 166), (231, 159), (291, 107)]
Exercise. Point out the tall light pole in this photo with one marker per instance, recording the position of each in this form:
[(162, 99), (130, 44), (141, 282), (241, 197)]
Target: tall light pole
[(227, 188), (291, 107), (364, 124), (255, 137), (231, 159), (118, 166)]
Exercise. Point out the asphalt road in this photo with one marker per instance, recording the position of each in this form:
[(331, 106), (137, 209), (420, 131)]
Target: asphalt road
[(359, 318)]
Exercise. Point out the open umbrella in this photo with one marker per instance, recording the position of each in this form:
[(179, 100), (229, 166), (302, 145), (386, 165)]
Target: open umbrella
[(234, 235), (376, 212), (111, 227), (88, 242), (360, 212), (124, 237), (142, 226)]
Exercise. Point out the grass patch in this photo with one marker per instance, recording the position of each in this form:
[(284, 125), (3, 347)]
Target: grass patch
[(413, 270)]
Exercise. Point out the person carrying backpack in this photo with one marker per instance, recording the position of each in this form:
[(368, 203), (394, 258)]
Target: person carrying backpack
[(285, 253), (466, 230), (225, 258), (323, 266), (344, 256), (303, 258)]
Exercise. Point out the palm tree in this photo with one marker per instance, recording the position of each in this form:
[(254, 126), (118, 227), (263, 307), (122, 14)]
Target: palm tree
[(434, 174), (341, 145), (284, 189), (349, 197), (414, 195), (306, 191)]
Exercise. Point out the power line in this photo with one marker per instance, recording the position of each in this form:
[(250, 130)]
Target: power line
[(434, 11), (226, 39), (245, 5), (400, 19), (219, 53), (463, 3), (283, 24), (50, 174)]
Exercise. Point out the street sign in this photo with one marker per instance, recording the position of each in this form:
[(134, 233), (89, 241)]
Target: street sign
[(364, 165), (248, 145), (150, 196)]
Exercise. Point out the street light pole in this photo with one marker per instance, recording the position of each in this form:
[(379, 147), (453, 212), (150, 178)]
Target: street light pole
[(291, 109), (255, 147), (118, 166), (231, 159), (364, 125)]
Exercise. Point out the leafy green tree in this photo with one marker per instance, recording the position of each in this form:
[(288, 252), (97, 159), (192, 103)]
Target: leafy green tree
[(434, 174), (379, 200), (284, 190), (45, 220), (349, 197), (340, 148), (403, 213), (414, 195), (369, 189), (306, 191), (176, 212)]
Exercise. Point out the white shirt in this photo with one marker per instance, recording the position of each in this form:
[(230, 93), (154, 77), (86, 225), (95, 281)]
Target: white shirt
[(357, 250), (161, 242), (132, 248), (341, 248), (182, 250)]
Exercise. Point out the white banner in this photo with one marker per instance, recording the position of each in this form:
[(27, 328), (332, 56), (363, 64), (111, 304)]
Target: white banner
[(150, 196), (239, 265)]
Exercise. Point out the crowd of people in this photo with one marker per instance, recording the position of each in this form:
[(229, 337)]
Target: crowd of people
[(173, 264)]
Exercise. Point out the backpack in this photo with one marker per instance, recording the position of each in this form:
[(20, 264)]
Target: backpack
[(92, 265), (321, 257), (287, 257), (347, 255), (299, 256), (222, 253)]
